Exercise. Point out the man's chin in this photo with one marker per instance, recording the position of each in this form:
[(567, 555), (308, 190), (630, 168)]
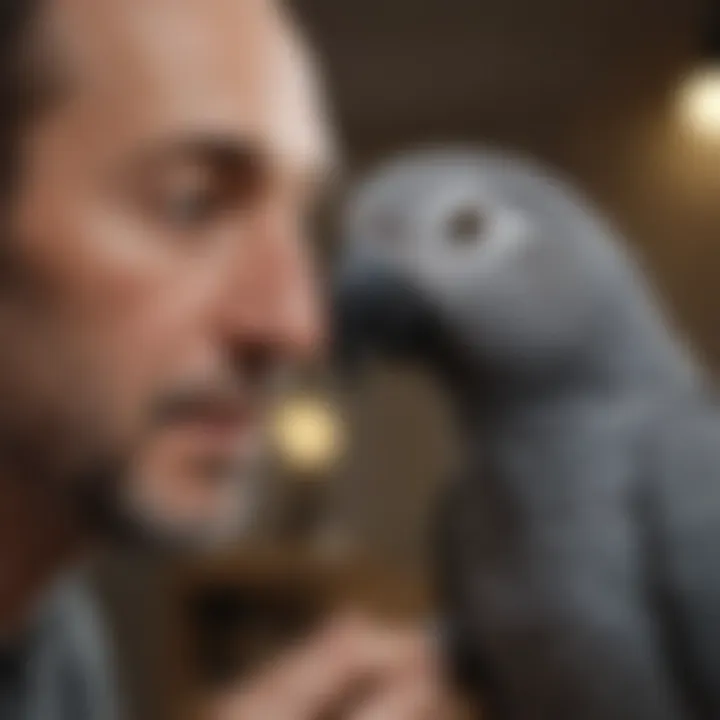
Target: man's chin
[(186, 536), (214, 505), (229, 518)]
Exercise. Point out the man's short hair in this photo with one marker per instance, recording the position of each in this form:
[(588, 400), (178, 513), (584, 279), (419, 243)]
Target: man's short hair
[(22, 87)]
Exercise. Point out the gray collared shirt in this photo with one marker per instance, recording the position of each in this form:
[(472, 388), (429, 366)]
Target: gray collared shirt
[(61, 669)]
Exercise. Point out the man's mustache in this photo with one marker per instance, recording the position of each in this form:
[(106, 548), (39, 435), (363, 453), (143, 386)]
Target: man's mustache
[(223, 400), (192, 403)]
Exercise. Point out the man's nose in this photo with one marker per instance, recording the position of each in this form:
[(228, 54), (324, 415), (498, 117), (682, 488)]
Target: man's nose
[(274, 296)]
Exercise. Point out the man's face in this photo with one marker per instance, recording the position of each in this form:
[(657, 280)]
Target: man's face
[(160, 276)]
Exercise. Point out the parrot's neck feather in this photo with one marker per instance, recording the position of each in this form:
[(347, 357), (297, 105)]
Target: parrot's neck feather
[(633, 361)]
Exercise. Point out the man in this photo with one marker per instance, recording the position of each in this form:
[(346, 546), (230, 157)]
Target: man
[(159, 157)]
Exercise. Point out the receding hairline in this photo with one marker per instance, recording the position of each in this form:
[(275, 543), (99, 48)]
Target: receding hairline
[(49, 62), (29, 80), (42, 72)]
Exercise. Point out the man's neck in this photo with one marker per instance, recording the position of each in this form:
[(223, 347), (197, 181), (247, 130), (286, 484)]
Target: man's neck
[(37, 540)]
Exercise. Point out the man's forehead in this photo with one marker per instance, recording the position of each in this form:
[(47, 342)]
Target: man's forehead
[(300, 121), (197, 67), (102, 29)]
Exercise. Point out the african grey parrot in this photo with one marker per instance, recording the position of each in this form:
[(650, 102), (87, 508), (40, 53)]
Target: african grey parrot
[(579, 564)]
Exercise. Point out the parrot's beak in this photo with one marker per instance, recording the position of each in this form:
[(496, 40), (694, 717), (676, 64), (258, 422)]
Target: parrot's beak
[(376, 312)]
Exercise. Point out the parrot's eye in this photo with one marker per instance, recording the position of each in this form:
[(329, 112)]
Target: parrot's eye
[(465, 226)]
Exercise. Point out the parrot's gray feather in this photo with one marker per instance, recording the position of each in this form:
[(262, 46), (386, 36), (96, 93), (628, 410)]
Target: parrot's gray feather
[(549, 576), (577, 546), (682, 506)]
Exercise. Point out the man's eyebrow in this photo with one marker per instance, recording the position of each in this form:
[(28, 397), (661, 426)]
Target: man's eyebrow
[(235, 157), (228, 154)]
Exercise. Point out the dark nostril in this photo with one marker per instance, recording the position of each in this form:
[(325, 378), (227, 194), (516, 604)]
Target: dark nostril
[(255, 362)]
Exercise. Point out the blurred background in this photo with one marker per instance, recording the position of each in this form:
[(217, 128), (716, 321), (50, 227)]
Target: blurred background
[(623, 96)]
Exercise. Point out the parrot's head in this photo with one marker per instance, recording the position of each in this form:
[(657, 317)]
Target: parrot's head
[(480, 262)]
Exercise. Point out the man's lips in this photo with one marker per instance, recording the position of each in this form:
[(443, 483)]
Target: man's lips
[(217, 422)]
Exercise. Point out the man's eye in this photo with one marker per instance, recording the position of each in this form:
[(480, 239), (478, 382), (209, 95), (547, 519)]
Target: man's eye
[(192, 208)]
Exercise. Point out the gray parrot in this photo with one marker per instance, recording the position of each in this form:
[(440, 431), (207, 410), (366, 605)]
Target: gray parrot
[(579, 547)]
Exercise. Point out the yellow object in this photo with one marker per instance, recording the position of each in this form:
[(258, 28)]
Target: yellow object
[(700, 102), (308, 434)]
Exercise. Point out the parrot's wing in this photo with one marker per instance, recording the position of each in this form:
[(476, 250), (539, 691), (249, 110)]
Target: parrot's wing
[(681, 501), (560, 632)]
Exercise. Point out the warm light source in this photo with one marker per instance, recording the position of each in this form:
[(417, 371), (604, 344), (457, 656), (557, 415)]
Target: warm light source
[(700, 94), (308, 433), (700, 102)]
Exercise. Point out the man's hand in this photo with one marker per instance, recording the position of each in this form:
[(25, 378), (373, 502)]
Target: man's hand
[(354, 670)]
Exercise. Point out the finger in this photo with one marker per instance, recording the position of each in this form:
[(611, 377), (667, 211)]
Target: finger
[(351, 652), (395, 653), (411, 701), (305, 681)]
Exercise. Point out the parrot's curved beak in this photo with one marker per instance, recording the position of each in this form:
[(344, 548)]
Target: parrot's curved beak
[(377, 312)]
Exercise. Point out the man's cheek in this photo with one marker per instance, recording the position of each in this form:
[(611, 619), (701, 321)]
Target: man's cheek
[(128, 357)]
